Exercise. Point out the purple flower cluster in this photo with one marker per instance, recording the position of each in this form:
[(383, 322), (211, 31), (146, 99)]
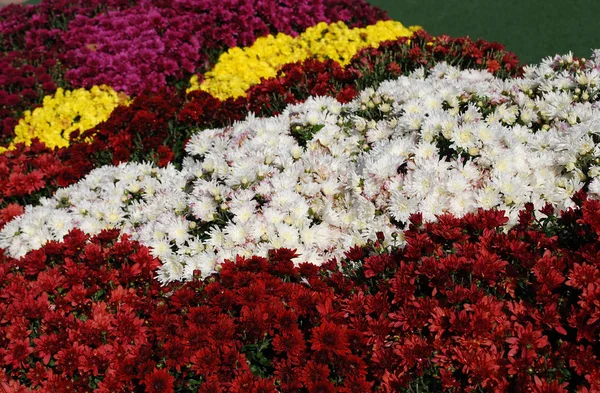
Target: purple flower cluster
[(153, 43), (40, 27)]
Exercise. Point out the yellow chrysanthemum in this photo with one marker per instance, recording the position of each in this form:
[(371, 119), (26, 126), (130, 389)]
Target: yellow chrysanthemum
[(65, 112), (240, 68)]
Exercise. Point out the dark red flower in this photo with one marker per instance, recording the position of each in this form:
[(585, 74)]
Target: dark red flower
[(290, 344), (286, 373), (357, 384), (165, 156), (210, 385), (545, 386), (37, 374), (159, 381), (591, 214), (527, 341), (377, 264), (314, 372), (206, 361), (582, 275), (18, 352), (323, 386), (68, 359), (330, 338)]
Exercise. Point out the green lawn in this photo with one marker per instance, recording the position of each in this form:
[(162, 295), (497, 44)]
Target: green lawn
[(532, 29)]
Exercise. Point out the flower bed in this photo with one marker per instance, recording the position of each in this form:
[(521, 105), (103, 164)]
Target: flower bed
[(291, 197), (464, 306)]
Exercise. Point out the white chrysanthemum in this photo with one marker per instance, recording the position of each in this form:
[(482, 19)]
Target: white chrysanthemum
[(160, 248), (419, 183), (434, 204), (236, 233), (204, 262), (61, 223), (463, 138), (594, 188), (204, 209), (172, 270), (457, 184), (401, 207), (461, 204), (507, 114), (177, 229), (487, 197)]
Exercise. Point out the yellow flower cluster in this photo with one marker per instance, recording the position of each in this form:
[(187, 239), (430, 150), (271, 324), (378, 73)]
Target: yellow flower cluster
[(65, 112), (240, 68)]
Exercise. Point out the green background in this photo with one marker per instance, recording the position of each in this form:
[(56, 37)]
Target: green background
[(533, 29)]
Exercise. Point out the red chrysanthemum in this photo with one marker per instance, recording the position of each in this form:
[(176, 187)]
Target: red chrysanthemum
[(314, 372), (18, 352), (290, 343), (11, 211), (527, 341), (331, 338), (159, 381), (165, 156)]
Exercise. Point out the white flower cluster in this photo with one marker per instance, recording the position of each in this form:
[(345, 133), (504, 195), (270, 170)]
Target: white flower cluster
[(137, 198), (322, 176)]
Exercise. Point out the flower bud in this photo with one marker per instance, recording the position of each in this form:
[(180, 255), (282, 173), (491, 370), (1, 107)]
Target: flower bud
[(296, 152)]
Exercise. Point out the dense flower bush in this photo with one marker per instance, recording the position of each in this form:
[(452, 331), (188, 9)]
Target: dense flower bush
[(81, 109), (296, 82), (463, 307), (155, 126), (323, 176)]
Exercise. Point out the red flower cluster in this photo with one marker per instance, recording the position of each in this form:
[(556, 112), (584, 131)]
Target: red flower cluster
[(31, 172), (463, 307), (144, 130), (86, 314), (393, 58), (466, 307), (71, 313)]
